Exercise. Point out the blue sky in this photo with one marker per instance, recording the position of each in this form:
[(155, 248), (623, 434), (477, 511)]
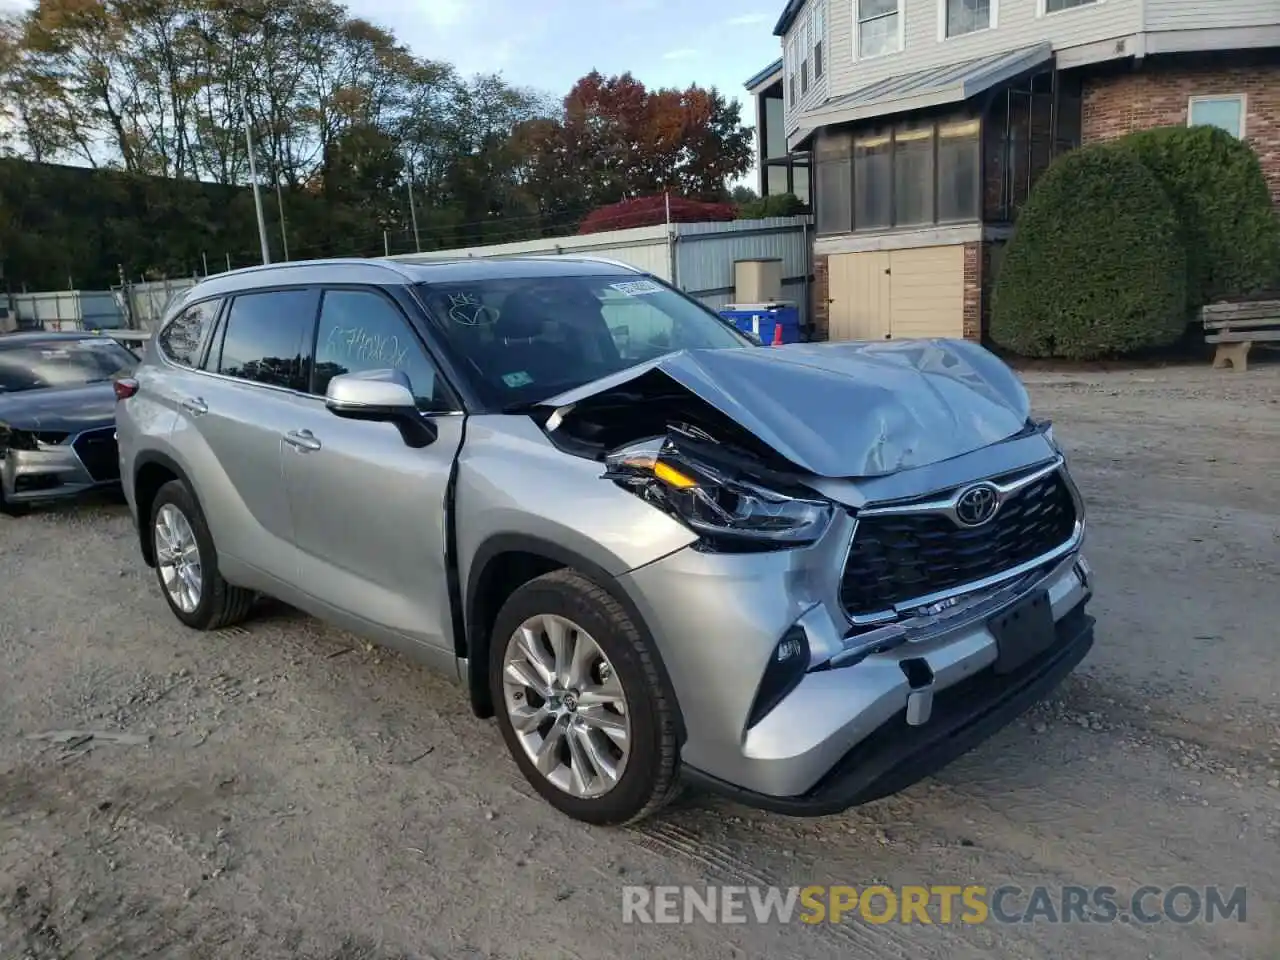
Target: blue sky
[(548, 44)]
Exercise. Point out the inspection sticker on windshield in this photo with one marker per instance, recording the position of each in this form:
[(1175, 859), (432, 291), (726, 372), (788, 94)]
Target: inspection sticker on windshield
[(636, 288), (54, 354), (517, 379)]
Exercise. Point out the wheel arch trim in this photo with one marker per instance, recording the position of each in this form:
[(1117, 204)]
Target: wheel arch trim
[(482, 565)]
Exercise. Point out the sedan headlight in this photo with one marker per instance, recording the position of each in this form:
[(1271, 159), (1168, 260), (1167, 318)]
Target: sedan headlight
[(11, 439), (729, 513)]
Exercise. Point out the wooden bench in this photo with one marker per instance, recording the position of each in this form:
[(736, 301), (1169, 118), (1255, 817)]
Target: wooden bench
[(1235, 327)]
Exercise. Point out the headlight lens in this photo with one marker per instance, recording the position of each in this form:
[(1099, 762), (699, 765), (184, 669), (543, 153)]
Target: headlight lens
[(11, 439), (728, 513)]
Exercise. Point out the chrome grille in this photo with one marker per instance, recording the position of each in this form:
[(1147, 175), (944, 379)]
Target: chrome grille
[(902, 556)]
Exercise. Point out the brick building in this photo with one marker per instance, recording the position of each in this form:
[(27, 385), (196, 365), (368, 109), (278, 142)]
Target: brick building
[(916, 128)]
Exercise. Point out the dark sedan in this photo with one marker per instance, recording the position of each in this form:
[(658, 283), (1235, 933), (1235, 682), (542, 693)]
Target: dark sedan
[(57, 415)]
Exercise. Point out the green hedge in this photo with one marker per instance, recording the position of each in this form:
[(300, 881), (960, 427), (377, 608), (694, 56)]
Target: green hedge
[(1229, 229), (1097, 267)]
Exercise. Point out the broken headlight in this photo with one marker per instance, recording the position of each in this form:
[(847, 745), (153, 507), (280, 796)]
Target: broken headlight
[(11, 439), (729, 513)]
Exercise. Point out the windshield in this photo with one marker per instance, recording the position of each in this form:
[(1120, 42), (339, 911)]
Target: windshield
[(528, 339), (36, 364)]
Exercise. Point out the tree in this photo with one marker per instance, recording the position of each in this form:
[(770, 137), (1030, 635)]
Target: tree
[(1228, 226), (626, 141), (157, 95), (1096, 267), (651, 211)]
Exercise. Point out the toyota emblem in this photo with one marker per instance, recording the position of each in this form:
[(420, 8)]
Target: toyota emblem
[(977, 505)]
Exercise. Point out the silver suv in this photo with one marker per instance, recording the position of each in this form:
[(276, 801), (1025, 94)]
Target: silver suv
[(805, 576)]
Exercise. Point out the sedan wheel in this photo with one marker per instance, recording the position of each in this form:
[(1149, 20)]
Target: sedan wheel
[(178, 558), (566, 706)]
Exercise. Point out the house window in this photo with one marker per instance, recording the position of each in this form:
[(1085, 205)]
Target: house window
[(878, 27), (1224, 112), (959, 170), (791, 73), (1057, 6), (775, 134), (834, 172), (913, 177), (776, 180), (872, 181), (819, 35), (966, 16), (806, 32)]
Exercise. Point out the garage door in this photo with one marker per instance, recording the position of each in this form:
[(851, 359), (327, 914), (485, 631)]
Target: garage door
[(897, 294)]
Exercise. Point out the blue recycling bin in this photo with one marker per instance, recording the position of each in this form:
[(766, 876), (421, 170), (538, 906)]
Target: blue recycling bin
[(762, 319)]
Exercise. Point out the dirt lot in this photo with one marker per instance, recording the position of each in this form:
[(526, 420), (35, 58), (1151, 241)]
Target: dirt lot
[(302, 795)]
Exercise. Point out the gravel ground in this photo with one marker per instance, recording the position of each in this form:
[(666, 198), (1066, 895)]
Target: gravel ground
[(299, 794)]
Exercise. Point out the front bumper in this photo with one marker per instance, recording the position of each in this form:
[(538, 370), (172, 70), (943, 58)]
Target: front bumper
[(897, 754), (841, 736), (55, 472)]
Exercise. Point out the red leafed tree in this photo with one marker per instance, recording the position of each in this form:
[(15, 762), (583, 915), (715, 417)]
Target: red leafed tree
[(617, 140), (651, 211)]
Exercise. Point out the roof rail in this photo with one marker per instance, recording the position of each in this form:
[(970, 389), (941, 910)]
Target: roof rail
[(613, 263)]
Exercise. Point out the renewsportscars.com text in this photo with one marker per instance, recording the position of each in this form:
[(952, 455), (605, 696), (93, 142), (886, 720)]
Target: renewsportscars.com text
[(935, 904)]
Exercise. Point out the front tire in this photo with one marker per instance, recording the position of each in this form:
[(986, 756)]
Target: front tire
[(581, 703), (187, 563), (10, 509)]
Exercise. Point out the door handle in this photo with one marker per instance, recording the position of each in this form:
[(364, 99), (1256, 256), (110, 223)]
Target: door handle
[(302, 440), (194, 406)]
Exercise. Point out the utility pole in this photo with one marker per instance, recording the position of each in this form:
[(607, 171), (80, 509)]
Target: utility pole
[(284, 236), (413, 214), (253, 175)]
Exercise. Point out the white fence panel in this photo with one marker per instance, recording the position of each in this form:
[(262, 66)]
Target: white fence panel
[(67, 310)]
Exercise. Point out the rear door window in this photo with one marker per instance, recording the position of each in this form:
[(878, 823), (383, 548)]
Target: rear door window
[(183, 339), (267, 338)]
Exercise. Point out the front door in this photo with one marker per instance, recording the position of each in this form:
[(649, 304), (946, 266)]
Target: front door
[(368, 511)]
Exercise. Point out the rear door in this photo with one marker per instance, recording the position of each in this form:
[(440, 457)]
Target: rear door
[(232, 421), (369, 511)]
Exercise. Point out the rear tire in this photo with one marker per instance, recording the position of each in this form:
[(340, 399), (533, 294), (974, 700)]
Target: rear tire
[(187, 563), (604, 710)]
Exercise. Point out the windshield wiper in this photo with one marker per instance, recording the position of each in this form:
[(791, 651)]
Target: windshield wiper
[(522, 406)]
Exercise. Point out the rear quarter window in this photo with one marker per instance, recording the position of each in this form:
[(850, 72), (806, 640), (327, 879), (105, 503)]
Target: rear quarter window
[(182, 340)]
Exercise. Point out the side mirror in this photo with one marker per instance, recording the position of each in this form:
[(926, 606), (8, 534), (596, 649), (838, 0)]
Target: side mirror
[(381, 396)]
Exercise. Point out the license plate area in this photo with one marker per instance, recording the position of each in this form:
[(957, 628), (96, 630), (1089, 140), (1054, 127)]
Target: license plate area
[(1023, 631)]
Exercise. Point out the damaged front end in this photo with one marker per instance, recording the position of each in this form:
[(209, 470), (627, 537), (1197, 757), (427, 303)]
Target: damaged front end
[(726, 505), (736, 444)]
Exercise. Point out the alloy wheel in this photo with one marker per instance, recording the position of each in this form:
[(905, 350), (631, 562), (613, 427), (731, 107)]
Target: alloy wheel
[(567, 706), (178, 558)]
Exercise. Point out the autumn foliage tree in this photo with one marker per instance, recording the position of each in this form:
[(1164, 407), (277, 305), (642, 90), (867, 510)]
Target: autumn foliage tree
[(654, 210), (617, 140), (153, 97)]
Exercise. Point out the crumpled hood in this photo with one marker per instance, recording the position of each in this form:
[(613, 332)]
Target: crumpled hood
[(66, 409), (849, 409)]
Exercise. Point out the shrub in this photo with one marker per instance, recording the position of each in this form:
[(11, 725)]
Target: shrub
[(774, 205), (651, 211), (1096, 267), (1228, 227)]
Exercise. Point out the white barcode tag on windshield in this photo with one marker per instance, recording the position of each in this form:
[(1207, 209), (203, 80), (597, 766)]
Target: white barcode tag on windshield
[(636, 288)]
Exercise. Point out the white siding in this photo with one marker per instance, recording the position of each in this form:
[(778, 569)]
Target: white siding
[(1211, 14), (1018, 25), (794, 40)]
